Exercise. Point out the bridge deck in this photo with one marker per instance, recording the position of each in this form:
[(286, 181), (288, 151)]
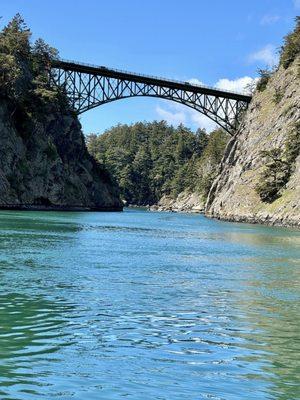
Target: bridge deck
[(152, 80)]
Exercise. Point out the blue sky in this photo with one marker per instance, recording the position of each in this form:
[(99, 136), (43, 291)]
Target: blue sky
[(217, 42)]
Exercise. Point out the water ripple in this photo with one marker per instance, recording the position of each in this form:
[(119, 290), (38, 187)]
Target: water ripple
[(147, 306)]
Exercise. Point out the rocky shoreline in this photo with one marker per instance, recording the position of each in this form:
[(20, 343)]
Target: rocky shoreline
[(285, 223), (267, 125), (184, 202)]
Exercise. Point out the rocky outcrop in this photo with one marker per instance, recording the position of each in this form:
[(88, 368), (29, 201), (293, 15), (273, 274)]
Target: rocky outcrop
[(272, 114), (44, 163), (184, 202)]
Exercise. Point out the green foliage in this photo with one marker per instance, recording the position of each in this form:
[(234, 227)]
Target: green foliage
[(265, 75), (292, 146), (152, 159), (289, 51), (14, 38), (278, 96), (280, 164), (23, 73), (42, 54), (291, 47), (14, 56), (274, 176), (9, 73)]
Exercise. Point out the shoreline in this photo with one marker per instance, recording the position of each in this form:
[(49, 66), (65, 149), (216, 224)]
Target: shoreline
[(154, 208), (256, 221), (235, 219)]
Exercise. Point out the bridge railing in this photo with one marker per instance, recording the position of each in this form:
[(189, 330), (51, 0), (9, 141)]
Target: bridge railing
[(150, 76)]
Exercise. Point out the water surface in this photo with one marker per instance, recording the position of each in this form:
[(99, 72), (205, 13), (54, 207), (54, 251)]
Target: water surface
[(143, 305)]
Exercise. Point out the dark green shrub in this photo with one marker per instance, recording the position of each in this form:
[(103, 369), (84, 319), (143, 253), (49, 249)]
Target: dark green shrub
[(278, 96), (265, 75), (291, 47), (274, 176), (292, 148), (280, 164)]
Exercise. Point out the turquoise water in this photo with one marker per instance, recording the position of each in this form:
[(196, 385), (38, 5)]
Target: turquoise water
[(143, 305)]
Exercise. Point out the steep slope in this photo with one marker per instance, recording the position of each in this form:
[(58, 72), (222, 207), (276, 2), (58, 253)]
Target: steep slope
[(44, 163), (273, 115)]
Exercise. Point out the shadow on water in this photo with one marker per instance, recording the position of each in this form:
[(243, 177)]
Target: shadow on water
[(33, 322)]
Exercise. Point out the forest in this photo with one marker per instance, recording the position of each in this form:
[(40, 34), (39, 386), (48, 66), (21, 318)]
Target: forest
[(152, 159)]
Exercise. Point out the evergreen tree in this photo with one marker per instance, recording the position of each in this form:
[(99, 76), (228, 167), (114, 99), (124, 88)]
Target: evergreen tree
[(15, 58), (150, 160), (23, 73), (15, 38), (291, 47)]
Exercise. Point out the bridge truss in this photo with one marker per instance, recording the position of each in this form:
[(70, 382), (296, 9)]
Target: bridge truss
[(89, 86)]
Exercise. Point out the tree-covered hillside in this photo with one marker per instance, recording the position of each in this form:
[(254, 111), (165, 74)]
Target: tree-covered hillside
[(150, 160)]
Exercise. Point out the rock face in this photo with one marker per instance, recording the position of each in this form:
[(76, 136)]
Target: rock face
[(267, 124), (185, 202), (44, 164)]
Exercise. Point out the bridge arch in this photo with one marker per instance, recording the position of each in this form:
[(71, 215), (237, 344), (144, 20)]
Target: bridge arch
[(89, 87), (218, 119)]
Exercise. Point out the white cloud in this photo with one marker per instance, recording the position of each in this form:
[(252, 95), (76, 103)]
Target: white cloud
[(296, 3), (173, 116), (201, 121), (236, 85), (269, 19), (195, 81), (175, 113), (266, 55)]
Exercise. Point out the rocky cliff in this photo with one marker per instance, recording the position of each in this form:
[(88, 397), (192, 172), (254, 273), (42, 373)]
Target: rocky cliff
[(272, 115), (45, 164)]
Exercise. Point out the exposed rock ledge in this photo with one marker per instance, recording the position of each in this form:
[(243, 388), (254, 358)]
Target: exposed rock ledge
[(266, 125), (185, 202), (44, 164)]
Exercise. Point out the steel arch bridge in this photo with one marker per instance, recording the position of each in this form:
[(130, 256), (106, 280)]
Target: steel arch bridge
[(89, 86)]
